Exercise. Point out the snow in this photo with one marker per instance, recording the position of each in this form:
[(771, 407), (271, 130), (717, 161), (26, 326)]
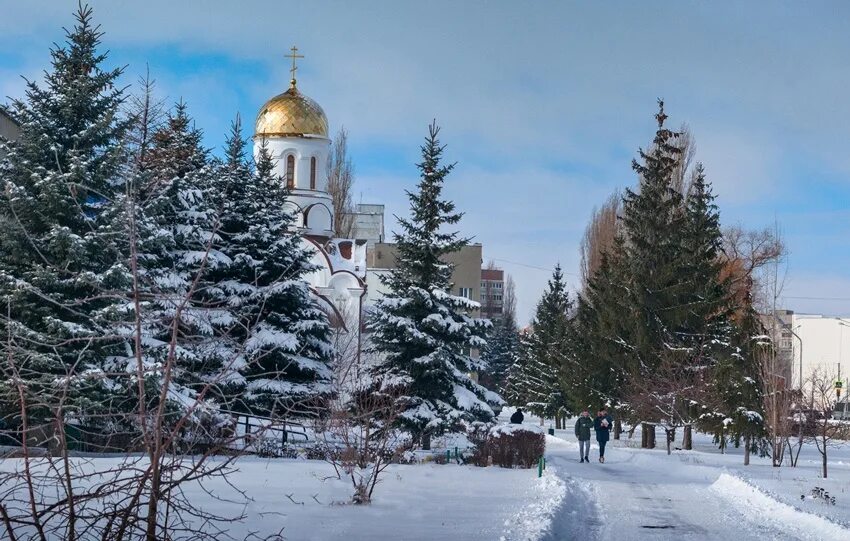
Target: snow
[(509, 429), (305, 500), (637, 494), (541, 503), (700, 494), (758, 504)]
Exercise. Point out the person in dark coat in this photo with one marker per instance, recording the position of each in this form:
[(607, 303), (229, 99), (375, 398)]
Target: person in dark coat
[(517, 417), (603, 425), (583, 425)]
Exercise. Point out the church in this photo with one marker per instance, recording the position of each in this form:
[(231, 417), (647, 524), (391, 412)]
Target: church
[(294, 129)]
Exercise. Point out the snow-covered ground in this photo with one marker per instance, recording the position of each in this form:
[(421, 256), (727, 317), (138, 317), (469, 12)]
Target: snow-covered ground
[(701, 494), (303, 500), (412, 502), (637, 494)]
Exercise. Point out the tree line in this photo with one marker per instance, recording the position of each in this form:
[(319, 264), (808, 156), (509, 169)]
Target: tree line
[(665, 329)]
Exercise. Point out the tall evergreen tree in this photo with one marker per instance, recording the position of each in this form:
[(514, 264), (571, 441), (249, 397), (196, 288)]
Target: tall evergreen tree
[(60, 266), (501, 352), (653, 219), (285, 369), (546, 350), (176, 246), (657, 298), (600, 356), (421, 333)]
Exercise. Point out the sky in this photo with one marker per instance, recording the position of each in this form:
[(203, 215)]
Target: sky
[(542, 105)]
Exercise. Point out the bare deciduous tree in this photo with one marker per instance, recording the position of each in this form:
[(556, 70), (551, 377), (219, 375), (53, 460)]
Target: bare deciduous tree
[(822, 399), (359, 436), (747, 254), (776, 397), (509, 299), (340, 182), (683, 174), (599, 235)]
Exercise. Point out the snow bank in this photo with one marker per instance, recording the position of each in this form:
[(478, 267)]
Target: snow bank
[(535, 518), (759, 505), (500, 430)]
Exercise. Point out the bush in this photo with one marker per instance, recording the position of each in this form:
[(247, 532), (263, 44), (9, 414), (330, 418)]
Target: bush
[(510, 446)]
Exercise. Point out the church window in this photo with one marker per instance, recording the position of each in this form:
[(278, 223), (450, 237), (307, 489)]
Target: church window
[(290, 171), (313, 173)]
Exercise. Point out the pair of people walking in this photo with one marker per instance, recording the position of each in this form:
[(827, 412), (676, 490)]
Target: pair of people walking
[(602, 425)]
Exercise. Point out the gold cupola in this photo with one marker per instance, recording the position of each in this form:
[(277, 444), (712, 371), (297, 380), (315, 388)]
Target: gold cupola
[(291, 114)]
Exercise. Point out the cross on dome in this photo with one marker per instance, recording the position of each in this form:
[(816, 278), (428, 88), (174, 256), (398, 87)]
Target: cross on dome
[(294, 55)]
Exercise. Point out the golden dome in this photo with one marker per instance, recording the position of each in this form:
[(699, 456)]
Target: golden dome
[(291, 114)]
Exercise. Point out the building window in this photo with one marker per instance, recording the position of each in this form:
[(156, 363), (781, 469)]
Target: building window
[(498, 285), (313, 173), (290, 171), (497, 297), (465, 292)]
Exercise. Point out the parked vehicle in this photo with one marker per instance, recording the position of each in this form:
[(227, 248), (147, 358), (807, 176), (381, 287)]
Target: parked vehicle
[(841, 411)]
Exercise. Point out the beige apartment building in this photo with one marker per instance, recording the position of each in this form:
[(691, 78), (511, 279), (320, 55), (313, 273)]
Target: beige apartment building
[(8, 128), (466, 278)]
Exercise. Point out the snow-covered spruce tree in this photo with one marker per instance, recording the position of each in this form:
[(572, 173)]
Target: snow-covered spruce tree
[(516, 389), (285, 337), (546, 351), (421, 333), (177, 250), (501, 352), (61, 269)]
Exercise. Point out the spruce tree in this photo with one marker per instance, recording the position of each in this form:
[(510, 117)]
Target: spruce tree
[(501, 352), (285, 369), (422, 334), (708, 293), (546, 351), (173, 233), (600, 358), (653, 219), (61, 268)]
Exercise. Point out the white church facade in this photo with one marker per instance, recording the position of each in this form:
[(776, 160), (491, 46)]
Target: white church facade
[(294, 129)]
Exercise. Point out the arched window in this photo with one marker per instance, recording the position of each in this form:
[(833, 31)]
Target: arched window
[(290, 171), (313, 173)]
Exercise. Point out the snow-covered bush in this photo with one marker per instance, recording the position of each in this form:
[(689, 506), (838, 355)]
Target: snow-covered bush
[(512, 445)]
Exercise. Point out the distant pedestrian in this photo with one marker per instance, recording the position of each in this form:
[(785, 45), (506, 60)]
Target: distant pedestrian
[(517, 417), (603, 425), (583, 425)]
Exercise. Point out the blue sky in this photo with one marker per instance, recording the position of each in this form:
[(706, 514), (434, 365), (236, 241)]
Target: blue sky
[(543, 104)]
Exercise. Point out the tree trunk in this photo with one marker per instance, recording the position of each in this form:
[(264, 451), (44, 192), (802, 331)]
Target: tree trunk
[(644, 436), (747, 450), (687, 438), (651, 436), (823, 456), (669, 435), (618, 428)]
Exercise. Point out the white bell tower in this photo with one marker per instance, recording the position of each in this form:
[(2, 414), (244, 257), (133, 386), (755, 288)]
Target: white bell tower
[(295, 130)]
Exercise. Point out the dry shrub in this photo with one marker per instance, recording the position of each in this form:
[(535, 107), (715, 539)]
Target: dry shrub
[(511, 446)]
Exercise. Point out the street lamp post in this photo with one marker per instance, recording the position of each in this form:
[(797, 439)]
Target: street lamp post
[(797, 336), (838, 381)]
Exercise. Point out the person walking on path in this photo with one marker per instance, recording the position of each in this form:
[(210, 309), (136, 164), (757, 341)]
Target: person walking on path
[(517, 417), (603, 425), (583, 425)]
